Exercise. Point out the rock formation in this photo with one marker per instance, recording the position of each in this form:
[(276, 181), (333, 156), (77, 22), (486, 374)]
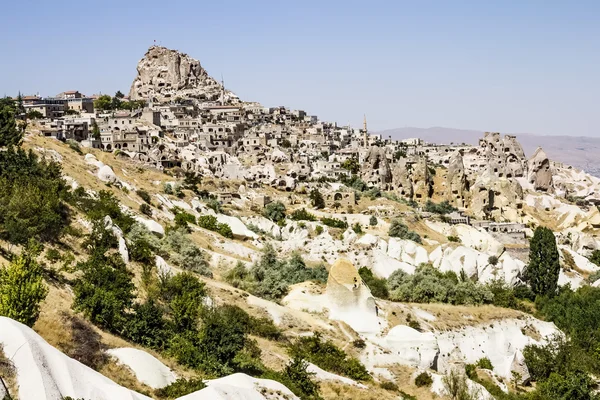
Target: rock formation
[(421, 180), (504, 155), (497, 198), (539, 173), (457, 185), (376, 169), (164, 75), (401, 179)]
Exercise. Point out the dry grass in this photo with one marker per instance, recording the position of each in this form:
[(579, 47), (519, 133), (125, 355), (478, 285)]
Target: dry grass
[(453, 317), (331, 390)]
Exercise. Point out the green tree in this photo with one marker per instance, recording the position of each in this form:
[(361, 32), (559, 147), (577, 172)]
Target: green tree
[(22, 287), (275, 211), (34, 114), (95, 131), (544, 263), (103, 103), (377, 285), (10, 133), (351, 165), (105, 290), (316, 199), (373, 220)]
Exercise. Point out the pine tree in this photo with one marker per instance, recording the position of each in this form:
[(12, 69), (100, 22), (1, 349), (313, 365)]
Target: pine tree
[(22, 288), (544, 263), (10, 133)]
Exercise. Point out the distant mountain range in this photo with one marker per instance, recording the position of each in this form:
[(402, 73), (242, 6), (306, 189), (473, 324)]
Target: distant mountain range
[(579, 151)]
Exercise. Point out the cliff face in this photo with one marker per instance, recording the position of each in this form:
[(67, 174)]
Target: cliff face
[(165, 75)]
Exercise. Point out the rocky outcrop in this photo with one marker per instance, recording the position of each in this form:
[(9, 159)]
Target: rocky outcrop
[(457, 185), (401, 179), (376, 169), (421, 180), (504, 155), (498, 198), (164, 75), (539, 173)]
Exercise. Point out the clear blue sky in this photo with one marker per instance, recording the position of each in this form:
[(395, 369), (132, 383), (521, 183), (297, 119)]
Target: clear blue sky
[(510, 66)]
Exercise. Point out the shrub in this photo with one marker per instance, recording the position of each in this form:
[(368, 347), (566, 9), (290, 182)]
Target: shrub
[(180, 388), (168, 188), (178, 248), (428, 285), (359, 343), (211, 223), (373, 220), (441, 208), (184, 294), (485, 363), (182, 219), (316, 199), (53, 255), (274, 211), (389, 385), (378, 286), (302, 215), (334, 223), (423, 379), (328, 356), (357, 228), (399, 230), (454, 239), (318, 229), (144, 195), (493, 260), (22, 288), (146, 209), (595, 257), (146, 326), (73, 145), (270, 277), (104, 291), (215, 205)]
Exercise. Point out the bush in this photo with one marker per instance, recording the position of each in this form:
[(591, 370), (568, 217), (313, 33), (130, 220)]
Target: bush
[(22, 288), (334, 223), (359, 343), (399, 230), (270, 277), (493, 260), (316, 199), (485, 363), (168, 188), (378, 286), (302, 215), (146, 326), (178, 248), (318, 229), (373, 220), (182, 219), (429, 285), (441, 208), (104, 291), (389, 385), (454, 239), (215, 205), (423, 379), (274, 211), (98, 207), (146, 209), (53, 255), (180, 388), (144, 196), (357, 228), (328, 356), (211, 223)]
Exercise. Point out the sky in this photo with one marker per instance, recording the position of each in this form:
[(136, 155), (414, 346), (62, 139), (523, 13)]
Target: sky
[(521, 66)]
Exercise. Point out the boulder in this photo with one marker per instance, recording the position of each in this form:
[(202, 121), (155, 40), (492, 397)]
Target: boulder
[(106, 174)]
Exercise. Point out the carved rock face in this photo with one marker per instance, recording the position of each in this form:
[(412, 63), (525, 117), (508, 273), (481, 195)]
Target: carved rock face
[(539, 171), (456, 181), (401, 179), (504, 155), (421, 180), (497, 198), (376, 169), (164, 75)]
